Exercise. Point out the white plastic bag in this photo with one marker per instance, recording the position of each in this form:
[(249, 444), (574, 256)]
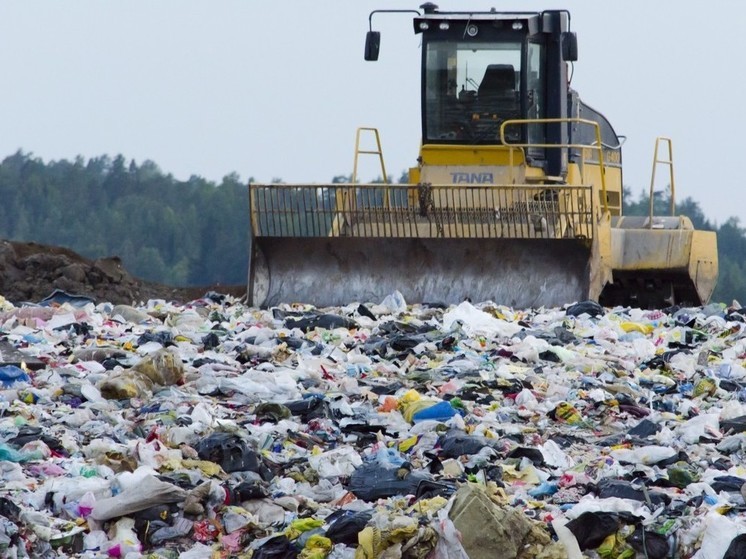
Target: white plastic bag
[(719, 532), (647, 455), (705, 425), (449, 540), (476, 321), (150, 492)]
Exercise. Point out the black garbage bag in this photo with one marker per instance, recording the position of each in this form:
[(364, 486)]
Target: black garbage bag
[(533, 454), (163, 337), (310, 322), (376, 345), (146, 528), (456, 443), (383, 389), (314, 407), (362, 310), (549, 356), (625, 490), (9, 509), (298, 343), (404, 342), (346, 525), (210, 340), (592, 528), (680, 456), (157, 512), (732, 484), (737, 548), (591, 308), (29, 433), (644, 429), (650, 544), (429, 489), (391, 327), (371, 482), (733, 426), (279, 547), (562, 336), (247, 490), (233, 454)]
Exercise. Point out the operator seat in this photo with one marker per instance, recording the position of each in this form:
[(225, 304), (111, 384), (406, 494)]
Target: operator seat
[(496, 93)]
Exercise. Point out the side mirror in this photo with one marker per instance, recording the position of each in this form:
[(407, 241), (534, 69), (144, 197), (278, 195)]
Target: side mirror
[(372, 45), (569, 46)]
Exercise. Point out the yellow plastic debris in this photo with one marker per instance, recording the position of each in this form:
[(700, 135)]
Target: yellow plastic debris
[(297, 527), (636, 327), (317, 547)]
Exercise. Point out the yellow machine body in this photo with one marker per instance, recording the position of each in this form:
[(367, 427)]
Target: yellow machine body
[(526, 214)]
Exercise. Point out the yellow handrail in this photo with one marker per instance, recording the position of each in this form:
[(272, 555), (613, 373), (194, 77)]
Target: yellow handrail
[(596, 146), (668, 162), (438, 211), (378, 152)]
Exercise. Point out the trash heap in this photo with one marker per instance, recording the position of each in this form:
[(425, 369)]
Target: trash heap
[(384, 430)]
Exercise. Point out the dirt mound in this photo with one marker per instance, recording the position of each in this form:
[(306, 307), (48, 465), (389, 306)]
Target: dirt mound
[(32, 272)]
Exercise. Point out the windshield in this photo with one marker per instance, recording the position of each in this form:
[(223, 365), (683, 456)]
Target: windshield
[(470, 88)]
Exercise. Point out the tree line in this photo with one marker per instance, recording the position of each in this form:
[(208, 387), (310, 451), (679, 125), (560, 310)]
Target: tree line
[(181, 233), (196, 232)]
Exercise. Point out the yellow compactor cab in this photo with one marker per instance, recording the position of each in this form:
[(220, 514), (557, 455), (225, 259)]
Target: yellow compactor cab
[(516, 197)]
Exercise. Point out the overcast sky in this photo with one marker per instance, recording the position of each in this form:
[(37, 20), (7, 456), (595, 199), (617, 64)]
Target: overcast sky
[(276, 89)]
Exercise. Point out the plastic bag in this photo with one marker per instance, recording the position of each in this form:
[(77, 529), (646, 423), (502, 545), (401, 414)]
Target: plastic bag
[(567, 539), (718, 536), (310, 322), (232, 453), (736, 549), (441, 411), (149, 492), (652, 545), (705, 425), (455, 444), (476, 321), (393, 303), (647, 455), (622, 489), (125, 539), (592, 528), (345, 525), (449, 541), (10, 376), (279, 547), (371, 482), (163, 368), (591, 308)]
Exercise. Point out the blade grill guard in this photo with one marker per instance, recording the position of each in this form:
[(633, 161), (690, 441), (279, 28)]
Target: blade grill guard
[(422, 211)]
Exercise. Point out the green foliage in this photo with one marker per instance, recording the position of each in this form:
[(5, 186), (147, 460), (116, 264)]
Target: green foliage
[(180, 233), (731, 248)]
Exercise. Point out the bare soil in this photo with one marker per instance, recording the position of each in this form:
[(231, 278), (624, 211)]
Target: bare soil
[(30, 272)]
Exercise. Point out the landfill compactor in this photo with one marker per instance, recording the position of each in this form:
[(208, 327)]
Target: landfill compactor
[(516, 197)]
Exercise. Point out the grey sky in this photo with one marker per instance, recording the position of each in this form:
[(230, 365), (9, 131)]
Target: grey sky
[(277, 89)]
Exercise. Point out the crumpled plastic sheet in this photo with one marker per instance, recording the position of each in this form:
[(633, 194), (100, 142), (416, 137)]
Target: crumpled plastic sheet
[(215, 429)]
